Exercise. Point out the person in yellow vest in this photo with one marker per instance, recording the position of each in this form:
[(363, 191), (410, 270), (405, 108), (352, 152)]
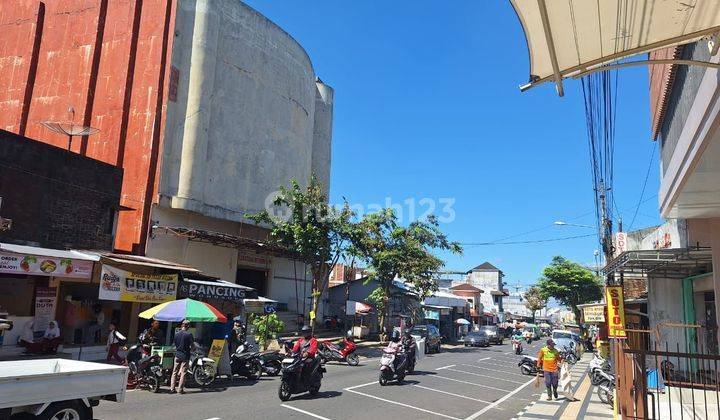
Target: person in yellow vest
[(549, 360)]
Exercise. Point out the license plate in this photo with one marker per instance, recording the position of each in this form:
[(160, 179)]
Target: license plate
[(288, 360)]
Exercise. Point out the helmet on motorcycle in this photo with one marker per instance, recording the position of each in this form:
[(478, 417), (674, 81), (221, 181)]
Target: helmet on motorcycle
[(306, 332), (395, 336)]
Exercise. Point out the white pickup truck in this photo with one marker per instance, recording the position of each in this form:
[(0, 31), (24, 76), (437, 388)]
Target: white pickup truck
[(58, 389)]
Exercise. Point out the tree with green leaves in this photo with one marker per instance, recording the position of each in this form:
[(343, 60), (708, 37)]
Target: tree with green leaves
[(534, 300), (394, 251), (316, 233), (570, 283), (266, 327)]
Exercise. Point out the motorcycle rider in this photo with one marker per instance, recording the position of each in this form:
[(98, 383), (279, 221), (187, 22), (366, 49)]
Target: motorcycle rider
[(307, 345), (409, 343), (517, 337), (395, 345)]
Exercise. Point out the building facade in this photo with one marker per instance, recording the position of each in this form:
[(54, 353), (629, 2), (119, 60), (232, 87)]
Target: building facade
[(488, 278), (207, 106)]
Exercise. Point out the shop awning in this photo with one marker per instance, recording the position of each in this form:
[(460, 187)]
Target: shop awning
[(669, 263), (146, 262), (49, 252), (215, 289), (566, 38)]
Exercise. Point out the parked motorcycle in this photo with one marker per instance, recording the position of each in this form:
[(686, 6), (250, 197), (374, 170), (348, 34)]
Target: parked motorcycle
[(596, 366), (246, 362), (145, 369), (528, 365), (606, 387), (298, 378), (568, 355), (202, 369), (330, 352), (271, 362), (393, 365)]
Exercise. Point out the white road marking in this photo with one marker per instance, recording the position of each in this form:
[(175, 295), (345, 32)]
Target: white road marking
[(484, 376), (500, 401), (455, 395), (484, 358), (304, 412), (445, 367), (361, 385), (401, 404), (470, 383), (493, 370), (213, 418)]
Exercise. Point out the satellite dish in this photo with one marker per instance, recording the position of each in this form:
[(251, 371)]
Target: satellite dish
[(70, 129)]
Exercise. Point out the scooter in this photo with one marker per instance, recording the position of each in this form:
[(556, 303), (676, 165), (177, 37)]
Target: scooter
[(528, 365), (606, 387), (517, 346), (271, 362), (145, 369), (294, 381), (393, 364), (330, 352), (246, 362), (597, 365), (202, 369), (568, 355)]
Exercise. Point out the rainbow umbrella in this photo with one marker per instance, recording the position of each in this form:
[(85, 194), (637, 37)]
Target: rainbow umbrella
[(177, 310)]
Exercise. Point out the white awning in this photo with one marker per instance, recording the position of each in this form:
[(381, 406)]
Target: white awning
[(566, 37), (48, 252)]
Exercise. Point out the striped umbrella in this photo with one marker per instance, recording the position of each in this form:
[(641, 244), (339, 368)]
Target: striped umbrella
[(188, 309)]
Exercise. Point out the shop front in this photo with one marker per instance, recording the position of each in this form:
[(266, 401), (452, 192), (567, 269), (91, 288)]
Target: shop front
[(31, 280)]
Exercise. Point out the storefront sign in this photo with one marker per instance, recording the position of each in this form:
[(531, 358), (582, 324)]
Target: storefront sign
[(44, 307), (621, 245), (432, 314), (594, 314), (39, 265), (216, 349), (616, 311), (116, 284), (210, 291)]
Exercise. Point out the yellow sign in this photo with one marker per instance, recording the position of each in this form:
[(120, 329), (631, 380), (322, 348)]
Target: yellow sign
[(616, 311), (594, 314), (312, 315), (216, 350), (124, 286)]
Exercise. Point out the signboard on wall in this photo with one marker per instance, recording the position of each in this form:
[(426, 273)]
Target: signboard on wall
[(621, 242), (207, 290), (39, 265), (125, 286), (44, 307), (616, 311), (594, 314)]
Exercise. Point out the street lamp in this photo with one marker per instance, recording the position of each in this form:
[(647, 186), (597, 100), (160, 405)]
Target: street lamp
[(561, 223)]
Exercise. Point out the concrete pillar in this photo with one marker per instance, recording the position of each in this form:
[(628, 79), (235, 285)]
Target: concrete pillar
[(201, 84), (715, 244), (322, 133)]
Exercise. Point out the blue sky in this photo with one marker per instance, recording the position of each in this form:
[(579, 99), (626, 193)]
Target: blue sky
[(427, 105)]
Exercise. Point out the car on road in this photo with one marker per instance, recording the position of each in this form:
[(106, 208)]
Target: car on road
[(476, 339), (431, 335), (493, 333), (564, 335)]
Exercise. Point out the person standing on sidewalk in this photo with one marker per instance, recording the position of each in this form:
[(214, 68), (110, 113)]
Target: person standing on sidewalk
[(549, 360), (184, 342), (114, 341)]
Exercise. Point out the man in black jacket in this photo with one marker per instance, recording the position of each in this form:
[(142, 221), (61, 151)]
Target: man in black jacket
[(184, 342)]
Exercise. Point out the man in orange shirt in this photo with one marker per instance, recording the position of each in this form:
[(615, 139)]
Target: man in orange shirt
[(549, 360)]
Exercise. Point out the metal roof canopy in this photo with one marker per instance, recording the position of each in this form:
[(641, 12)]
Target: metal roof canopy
[(669, 263), (574, 38)]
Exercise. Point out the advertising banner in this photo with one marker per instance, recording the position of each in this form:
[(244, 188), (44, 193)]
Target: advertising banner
[(202, 291), (38, 265), (594, 314), (124, 286), (44, 307), (616, 311)]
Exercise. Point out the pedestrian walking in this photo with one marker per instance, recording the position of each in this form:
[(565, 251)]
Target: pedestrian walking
[(549, 360), (184, 342), (114, 342)]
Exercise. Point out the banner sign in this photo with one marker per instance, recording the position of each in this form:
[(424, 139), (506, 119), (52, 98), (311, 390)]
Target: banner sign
[(616, 311), (432, 314), (594, 314), (124, 286), (38, 265), (44, 307), (201, 291), (216, 350)]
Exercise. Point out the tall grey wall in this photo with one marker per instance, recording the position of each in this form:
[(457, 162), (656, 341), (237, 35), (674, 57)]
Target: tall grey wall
[(248, 115)]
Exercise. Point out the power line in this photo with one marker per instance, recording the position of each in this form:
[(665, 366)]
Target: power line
[(642, 193), (528, 242)]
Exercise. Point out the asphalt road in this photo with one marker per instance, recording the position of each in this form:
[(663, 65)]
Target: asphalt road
[(458, 383)]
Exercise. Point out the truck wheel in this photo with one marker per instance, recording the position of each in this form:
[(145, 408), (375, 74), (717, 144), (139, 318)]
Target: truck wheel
[(65, 410)]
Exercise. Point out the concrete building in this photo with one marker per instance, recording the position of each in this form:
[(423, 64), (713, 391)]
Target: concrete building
[(206, 105), (514, 303), (488, 278)]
